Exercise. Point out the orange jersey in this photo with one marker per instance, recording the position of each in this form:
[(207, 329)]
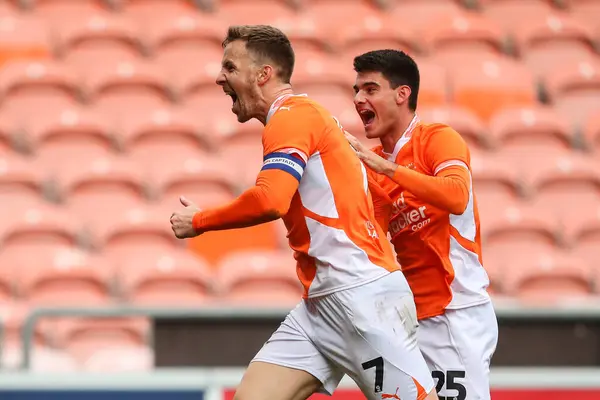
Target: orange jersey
[(330, 221), (439, 252)]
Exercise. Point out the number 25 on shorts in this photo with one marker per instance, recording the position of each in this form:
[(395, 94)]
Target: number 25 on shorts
[(449, 379)]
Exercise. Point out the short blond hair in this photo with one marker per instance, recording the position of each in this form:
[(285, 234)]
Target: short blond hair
[(266, 42)]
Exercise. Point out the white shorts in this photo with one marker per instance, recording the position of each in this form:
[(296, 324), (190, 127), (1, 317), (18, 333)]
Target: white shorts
[(368, 332), (458, 347)]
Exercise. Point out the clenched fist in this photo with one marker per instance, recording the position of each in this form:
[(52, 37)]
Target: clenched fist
[(181, 220)]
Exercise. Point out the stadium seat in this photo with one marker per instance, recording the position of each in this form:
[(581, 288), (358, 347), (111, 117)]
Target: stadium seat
[(36, 85), (575, 90), (120, 359), (455, 36), (547, 44), (132, 230), (491, 84), (171, 278), (82, 337), (60, 12), (71, 278), (319, 70), (434, 88), (127, 86), (585, 11), (550, 279), (530, 126), (467, 124), (166, 134), (13, 315), (23, 38), (202, 180), (565, 185), (102, 187), (510, 14), (36, 226), (150, 12), (259, 278), (8, 134), (217, 245), (584, 235), (495, 184), (418, 16), (66, 140), (591, 131), (99, 31), (21, 183), (256, 12)]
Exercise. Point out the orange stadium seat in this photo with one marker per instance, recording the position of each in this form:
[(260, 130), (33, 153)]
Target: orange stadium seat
[(59, 12), (7, 283), (82, 337), (455, 36), (591, 131), (418, 16), (534, 127), (89, 42), (495, 184), (23, 38), (207, 181), (244, 154), (149, 12), (488, 85), (174, 278), (165, 134), (510, 14), (101, 187), (584, 234), (128, 85), (259, 278), (120, 359), (585, 11), (71, 277), (575, 90), (37, 226), (434, 87), (13, 315), (68, 139), (255, 12), (547, 44), (36, 85), (319, 69), (216, 245), (8, 134), (133, 230), (21, 183), (549, 279), (467, 124), (565, 185)]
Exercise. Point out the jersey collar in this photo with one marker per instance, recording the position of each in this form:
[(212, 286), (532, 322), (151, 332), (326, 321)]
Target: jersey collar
[(403, 139), (279, 102)]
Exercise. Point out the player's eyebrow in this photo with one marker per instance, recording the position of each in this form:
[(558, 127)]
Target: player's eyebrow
[(365, 84), (228, 64)]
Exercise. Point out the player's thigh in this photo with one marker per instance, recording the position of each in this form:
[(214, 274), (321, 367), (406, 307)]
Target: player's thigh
[(270, 381), (288, 366), (458, 347), (381, 345)]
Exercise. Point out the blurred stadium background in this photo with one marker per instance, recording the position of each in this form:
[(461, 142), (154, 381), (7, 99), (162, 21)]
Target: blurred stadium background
[(109, 111)]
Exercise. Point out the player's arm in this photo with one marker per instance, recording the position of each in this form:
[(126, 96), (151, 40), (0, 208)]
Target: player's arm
[(446, 154), (286, 148)]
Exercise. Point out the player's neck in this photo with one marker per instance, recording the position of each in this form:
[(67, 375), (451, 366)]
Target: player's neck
[(269, 98), (389, 140)]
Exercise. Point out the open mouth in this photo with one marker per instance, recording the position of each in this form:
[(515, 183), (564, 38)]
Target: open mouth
[(367, 116), (232, 95)]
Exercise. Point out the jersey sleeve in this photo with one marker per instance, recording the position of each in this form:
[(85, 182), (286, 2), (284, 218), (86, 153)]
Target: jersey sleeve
[(443, 148), (289, 140)]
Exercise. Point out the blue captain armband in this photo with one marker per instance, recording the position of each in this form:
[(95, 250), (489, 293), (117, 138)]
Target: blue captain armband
[(285, 162)]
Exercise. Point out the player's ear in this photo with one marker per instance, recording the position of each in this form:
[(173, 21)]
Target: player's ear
[(402, 94), (264, 74)]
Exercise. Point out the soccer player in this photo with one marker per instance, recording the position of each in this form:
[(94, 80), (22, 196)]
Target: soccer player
[(357, 315), (424, 179)]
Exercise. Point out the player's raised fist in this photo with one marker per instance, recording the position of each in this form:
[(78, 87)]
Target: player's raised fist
[(182, 220)]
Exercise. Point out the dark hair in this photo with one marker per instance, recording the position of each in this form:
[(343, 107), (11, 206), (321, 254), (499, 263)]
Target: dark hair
[(395, 66), (266, 42)]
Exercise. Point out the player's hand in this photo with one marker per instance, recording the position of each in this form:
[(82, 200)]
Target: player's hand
[(368, 157), (181, 220)]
